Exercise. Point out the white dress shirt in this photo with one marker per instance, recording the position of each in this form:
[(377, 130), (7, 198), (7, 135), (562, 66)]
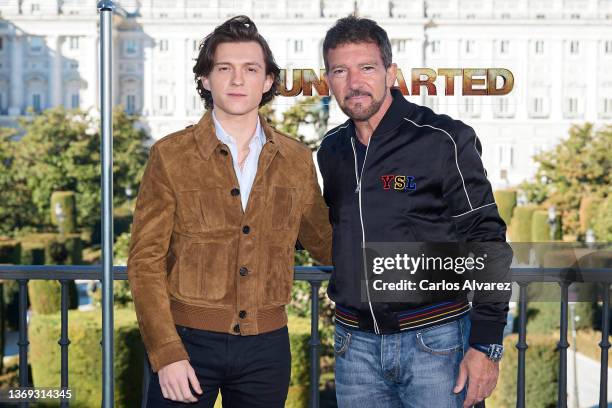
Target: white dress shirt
[(246, 175)]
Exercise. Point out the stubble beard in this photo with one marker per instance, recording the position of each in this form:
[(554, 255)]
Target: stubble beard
[(360, 113)]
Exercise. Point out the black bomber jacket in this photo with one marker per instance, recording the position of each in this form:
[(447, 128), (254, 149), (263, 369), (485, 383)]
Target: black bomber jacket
[(445, 197)]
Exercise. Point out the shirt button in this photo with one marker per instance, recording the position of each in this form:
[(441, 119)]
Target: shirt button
[(244, 271), (237, 328), (223, 152), (246, 229), (242, 314), (235, 192)]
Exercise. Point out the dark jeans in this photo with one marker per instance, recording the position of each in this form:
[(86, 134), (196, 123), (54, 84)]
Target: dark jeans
[(250, 371)]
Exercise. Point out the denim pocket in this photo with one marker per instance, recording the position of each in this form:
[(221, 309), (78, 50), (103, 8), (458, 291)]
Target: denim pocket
[(342, 339), (441, 339)]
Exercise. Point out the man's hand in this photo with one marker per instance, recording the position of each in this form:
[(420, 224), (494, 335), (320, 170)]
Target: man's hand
[(482, 374), (174, 381)]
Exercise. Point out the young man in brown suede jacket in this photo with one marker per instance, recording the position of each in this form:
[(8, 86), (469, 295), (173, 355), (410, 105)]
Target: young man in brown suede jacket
[(220, 208)]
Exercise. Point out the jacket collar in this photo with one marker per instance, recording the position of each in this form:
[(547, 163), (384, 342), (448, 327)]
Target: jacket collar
[(207, 141)]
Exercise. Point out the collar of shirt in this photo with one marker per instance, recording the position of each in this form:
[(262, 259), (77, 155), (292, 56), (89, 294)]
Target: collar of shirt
[(246, 175), (258, 137)]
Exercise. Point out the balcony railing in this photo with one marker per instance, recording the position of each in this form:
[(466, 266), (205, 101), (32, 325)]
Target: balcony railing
[(315, 276)]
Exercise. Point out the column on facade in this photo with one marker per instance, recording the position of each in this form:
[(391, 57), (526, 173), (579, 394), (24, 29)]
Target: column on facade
[(147, 102), (93, 73), (55, 78), (180, 77), (17, 85)]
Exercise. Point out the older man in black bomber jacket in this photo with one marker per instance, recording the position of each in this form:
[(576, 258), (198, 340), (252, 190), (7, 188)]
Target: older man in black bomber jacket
[(398, 172)]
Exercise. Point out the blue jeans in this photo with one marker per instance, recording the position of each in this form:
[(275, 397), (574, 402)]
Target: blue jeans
[(412, 369)]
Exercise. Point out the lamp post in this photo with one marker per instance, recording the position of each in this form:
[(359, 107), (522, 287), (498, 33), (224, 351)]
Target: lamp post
[(106, 8)]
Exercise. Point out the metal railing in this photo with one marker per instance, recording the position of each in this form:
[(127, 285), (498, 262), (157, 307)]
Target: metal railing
[(315, 276)]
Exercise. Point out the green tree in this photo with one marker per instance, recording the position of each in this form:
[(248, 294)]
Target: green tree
[(578, 166), (15, 206), (306, 111), (60, 150)]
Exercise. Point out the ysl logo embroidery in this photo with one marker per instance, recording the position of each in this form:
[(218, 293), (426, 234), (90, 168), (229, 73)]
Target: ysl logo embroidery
[(393, 182)]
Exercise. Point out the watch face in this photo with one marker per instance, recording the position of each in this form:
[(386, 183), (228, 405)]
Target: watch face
[(496, 352)]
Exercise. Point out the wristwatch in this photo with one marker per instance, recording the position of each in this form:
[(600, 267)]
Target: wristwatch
[(494, 352)]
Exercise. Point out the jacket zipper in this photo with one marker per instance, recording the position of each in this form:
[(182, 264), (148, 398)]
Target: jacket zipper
[(358, 190)]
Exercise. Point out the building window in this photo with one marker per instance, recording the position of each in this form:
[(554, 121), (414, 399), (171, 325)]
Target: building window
[(503, 105), (131, 104), (162, 103), (163, 45), (1, 103), (34, 8), (36, 102), (607, 47), (195, 103), (401, 45), (74, 101), (505, 16), (432, 103), (130, 47), (435, 47), (74, 43), (469, 46), (36, 44), (574, 47), (540, 16), (575, 16), (539, 47), (538, 107), (468, 106), (195, 45), (74, 65), (571, 106), (607, 107), (505, 155), (298, 45), (1, 43), (504, 45)]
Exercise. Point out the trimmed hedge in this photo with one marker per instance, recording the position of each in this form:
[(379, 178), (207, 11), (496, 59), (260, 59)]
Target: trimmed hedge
[(66, 200), (85, 356), (506, 201), (588, 211), (58, 249), (540, 228), (520, 231), (10, 251), (122, 221), (299, 386), (33, 253), (521, 223), (541, 373)]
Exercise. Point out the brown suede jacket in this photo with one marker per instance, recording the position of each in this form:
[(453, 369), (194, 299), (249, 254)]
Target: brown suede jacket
[(197, 260)]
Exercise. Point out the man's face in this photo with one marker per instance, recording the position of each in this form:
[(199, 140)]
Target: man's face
[(358, 79), (238, 78)]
